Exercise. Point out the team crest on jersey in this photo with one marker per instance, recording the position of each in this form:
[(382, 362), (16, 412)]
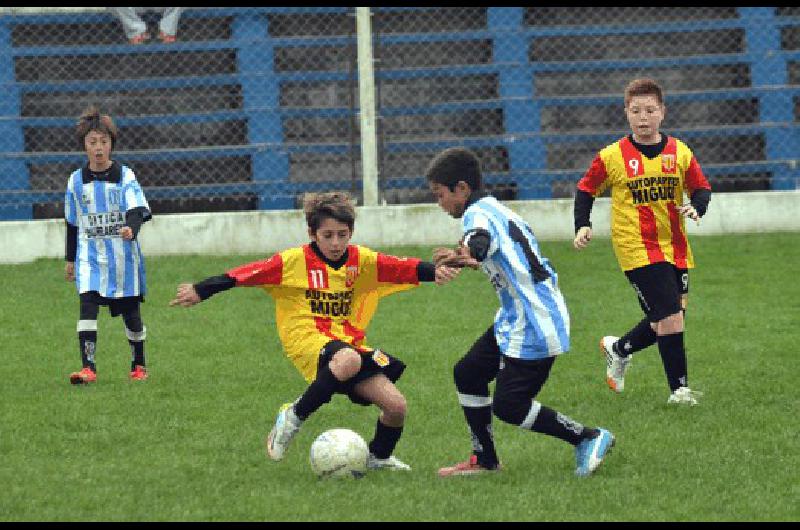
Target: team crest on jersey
[(380, 359), (350, 275), (668, 163)]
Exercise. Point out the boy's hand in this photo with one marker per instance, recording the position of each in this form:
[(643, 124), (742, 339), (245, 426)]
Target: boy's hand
[(186, 296), (687, 210), (126, 232), (583, 237), (455, 258), (441, 255), (465, 259), (69, 271), (445, 274)]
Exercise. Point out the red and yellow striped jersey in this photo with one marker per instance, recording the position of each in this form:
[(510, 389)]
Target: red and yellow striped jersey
[(315, 303), (645, 195)]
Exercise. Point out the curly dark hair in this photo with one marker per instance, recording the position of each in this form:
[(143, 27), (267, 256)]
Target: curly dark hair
[(91, 120)]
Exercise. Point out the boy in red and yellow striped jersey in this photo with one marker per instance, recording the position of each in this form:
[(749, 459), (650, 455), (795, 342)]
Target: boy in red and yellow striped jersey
[(648, 173), (326, 292)]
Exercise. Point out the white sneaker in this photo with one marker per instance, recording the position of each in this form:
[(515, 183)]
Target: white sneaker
[(286, 426), (616, 365), (392, 463), (684, 395)]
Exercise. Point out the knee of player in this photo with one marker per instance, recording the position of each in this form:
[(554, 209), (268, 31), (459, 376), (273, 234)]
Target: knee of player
[(396, 409), (508, 410), (345, 364), (671, 324)]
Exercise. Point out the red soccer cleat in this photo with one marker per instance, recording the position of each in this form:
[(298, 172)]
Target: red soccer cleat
[(470, 467), (139, 373), (84, 377)]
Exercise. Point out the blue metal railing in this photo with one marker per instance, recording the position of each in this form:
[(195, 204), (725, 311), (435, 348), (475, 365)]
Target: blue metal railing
[(510, 40)]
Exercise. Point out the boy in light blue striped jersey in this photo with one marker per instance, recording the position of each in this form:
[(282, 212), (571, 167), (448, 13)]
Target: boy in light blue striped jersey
[(531, 327), (104, 208)]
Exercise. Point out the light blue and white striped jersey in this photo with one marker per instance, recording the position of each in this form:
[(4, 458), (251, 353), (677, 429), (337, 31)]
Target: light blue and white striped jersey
[(533, 321), (105, 262)]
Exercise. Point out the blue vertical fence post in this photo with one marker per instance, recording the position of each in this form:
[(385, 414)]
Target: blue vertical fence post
[(261, 92), (768, 70), (521, 113), (13, 170)]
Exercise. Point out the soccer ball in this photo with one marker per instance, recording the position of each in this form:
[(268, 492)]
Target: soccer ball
[(339, 453)]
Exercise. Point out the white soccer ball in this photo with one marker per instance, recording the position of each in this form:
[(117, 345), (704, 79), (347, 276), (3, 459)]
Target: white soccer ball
[(339, 453)]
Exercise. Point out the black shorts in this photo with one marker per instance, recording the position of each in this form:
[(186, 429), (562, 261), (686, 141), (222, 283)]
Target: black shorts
[(373, 362), (659, 287), (116, 306), (518, 380)]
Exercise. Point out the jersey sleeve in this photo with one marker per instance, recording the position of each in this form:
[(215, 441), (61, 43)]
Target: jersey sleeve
[(264, 272), (694, 178), (133, 194), (595, 180), (476, 222), (393, 269), (70, 207), (382, 275)]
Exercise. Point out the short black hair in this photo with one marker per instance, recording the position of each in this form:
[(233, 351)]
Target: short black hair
[(455, 164)]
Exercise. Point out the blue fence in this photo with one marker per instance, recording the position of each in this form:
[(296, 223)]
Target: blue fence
[(254, 106)]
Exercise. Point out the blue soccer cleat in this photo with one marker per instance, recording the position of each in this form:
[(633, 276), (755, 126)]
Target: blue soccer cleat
[(589, 453)]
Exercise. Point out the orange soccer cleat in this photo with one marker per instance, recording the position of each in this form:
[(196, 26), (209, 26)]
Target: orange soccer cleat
[(470, 467), (84, 377), (139, 373)]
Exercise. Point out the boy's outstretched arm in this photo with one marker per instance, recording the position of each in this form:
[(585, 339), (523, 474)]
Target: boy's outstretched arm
[(249, 275), (190, 294)]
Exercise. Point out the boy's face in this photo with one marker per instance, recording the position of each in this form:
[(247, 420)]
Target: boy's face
[(645, 116), (452, 202), (332, 238), (98, 148)]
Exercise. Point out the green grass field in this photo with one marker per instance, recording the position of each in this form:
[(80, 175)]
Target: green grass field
[(188, 443)]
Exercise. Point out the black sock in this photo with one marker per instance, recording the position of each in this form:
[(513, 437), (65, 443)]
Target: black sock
[(317, 394), (638, 338), (137, 353), (673, 355), (385, 440), (88, 345), (136, 333), (479, 420), (553, 423)]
